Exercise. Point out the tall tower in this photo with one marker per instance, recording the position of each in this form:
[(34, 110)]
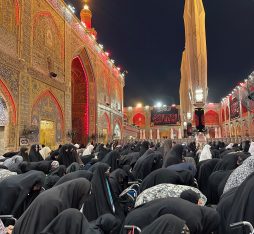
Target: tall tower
[(86, 18), (195, 49), (193, 87)]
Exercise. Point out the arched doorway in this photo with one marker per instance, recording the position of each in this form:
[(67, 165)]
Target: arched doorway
[(79, 94)]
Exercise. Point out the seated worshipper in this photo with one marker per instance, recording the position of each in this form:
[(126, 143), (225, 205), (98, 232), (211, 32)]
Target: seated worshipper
[(237, 205), (129, 159), (169, 190), (68, 155), (10, 154), (13, 163), (73, 167), (17, 192), (44, 166), (112, 159), (205, 153), (88, 150), (103, 199), (167, 224), (216, 184), (72, 221), (205, 169), (199, 219), (229, 161), (167, 146), (143, 148), (160, 176), (54, 176), (147, 163), (34, 154), (183, 167), (4, 173), (174, 156), (75, 175), (24, 153), (118, 180), (101, 152), (240, 174), (50, 203), (45, 152)]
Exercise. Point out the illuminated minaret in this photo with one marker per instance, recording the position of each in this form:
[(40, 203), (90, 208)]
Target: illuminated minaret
[(86, 18), (195, 49)]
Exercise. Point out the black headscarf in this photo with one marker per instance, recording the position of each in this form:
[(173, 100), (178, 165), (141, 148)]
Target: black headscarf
[(205, 170), (44, 166), (34, 154), (216, 184), (174, 156), (101, 199), (228, 162), (50, 203), (147, 163), (200, 220), (75, 175), (112, 159), (67, 155), (160, 176), (118, 180), (165, 224), (69, 221), (23, 153), (16, 192), (72, 221), (143, 148), (54, 176)]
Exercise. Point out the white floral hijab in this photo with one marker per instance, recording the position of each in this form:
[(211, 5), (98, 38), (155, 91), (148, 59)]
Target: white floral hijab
[(240, 174), (165, 191)]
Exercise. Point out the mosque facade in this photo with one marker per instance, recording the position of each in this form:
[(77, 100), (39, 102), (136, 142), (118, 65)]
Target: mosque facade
[(57, 84)]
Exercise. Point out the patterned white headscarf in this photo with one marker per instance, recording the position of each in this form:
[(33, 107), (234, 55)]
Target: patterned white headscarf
[(240, 174), (205, 153), (165, 191)]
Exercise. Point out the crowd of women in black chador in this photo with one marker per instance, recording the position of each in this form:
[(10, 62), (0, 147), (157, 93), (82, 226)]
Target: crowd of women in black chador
[(131, 188)]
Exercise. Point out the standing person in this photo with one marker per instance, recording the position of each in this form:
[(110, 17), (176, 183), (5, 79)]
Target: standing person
[(24, 153), (167, 146)]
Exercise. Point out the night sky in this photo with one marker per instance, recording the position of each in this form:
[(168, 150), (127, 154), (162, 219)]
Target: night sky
[(146, 38)]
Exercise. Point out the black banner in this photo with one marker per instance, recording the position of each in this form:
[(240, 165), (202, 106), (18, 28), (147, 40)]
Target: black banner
[(234, 108), (200, 119), (165, 116)]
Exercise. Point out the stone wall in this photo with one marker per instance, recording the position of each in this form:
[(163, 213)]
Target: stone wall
[(38, 37)]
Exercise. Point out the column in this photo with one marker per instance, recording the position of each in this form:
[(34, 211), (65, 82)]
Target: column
[(151, 134), (158, 134)]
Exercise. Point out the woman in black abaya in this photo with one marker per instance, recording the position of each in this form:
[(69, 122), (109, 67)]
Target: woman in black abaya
[(72, 221), (200, 220), (147, 163), (112, 159), (103, 199), (160, 176), (68, 155), (50, 203), (238, 206), (118, 180), (174, 156), (75, 175), (166, 224), (34, 154), (17, 192)]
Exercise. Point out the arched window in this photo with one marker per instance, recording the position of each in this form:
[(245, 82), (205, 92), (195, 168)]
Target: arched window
[(4, 116)]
